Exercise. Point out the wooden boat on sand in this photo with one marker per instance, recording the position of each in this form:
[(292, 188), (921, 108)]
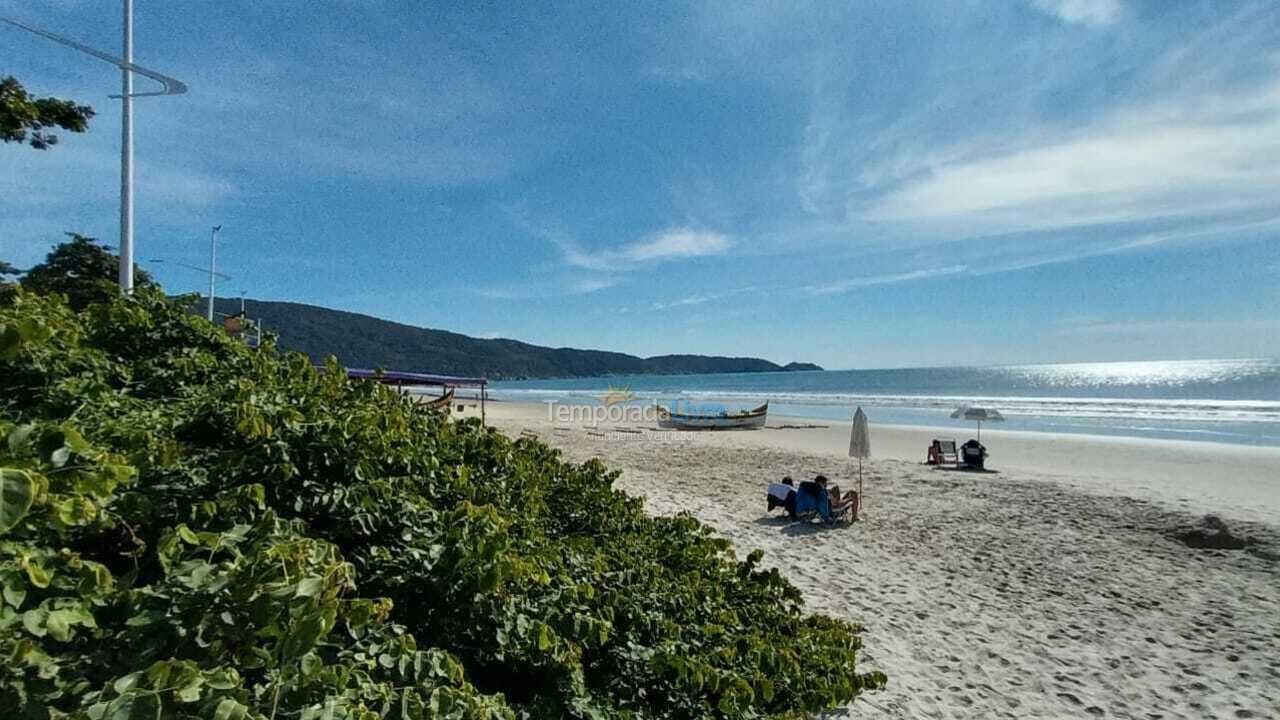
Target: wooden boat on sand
[(442, 402), (744, 420)]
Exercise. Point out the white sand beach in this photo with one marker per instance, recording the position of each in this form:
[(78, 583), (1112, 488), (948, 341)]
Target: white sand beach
[(1051, 589)]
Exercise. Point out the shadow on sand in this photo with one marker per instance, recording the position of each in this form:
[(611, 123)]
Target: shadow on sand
[(796, 527)]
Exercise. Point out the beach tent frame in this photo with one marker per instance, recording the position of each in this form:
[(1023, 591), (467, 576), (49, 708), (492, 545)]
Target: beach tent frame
[(409, 379)]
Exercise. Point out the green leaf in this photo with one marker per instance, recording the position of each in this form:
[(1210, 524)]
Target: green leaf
[(34, 619), (311, 664), (229, 709), (305, 636), (37, 574), (59, 625), (19, 437), (125, 683), (73, 439), (187, 535), (131, 707), (309, 586), (222, 679), (17, 492), (15, 592), (191, 691)]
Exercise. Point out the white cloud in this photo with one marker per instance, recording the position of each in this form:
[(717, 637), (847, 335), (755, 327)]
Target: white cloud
[(670, 244), (1083, 12), (554, 288), (1088, 144), (683, 302), (591, 285), (699, 299), (72, 174), (1265, 328), (1161, 161), (678, 243), (870, 280)]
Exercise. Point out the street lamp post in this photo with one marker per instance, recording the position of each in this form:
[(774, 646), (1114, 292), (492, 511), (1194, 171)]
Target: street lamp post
[(127, 69), (213, 259), (126, 155)]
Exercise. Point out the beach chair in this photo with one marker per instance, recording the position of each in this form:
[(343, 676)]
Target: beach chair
[(813, 500), (779, 495), (974, 455), (943, 452)]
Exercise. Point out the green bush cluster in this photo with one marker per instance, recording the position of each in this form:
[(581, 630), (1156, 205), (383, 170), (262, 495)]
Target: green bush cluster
[(190, 528)]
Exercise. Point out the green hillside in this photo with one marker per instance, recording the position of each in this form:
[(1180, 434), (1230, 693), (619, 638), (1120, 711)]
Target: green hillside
[(364, 341)]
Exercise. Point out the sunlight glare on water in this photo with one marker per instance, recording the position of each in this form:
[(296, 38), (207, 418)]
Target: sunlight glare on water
[(1149, 373)]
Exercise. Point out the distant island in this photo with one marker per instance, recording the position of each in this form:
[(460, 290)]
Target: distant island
[(368, 342)]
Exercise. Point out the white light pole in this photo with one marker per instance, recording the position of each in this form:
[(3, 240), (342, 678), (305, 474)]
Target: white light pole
[(213, 260), (127, 68), (126, 156)]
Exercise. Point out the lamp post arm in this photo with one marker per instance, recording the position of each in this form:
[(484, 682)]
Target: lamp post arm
[(221, 275), (171, 86)]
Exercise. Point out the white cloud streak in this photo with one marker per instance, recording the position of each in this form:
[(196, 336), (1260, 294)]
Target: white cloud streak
[(1167, 327), (1083, 12), (1185, 137), (73, 173), (699, 299), (670, 244), (558, 288), (1159, 162), (844, 286)]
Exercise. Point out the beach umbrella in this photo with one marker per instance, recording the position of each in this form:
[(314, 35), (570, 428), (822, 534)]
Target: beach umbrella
[(860, 443), (978, 414)]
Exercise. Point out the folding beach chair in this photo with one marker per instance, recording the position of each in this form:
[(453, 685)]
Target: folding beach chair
[(943, 452), (813, 500)]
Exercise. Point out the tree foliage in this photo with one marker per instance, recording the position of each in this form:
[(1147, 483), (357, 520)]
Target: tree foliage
[(25, 118), (190, 528), (83, 270)]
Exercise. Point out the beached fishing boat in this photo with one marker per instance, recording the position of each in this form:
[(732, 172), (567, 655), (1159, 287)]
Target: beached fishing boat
[(743, 420), (442, 402)]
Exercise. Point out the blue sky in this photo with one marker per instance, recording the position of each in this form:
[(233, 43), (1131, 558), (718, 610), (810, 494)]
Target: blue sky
[(857, 184)]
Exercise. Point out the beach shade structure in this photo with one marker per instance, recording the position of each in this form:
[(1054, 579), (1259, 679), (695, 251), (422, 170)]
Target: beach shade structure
[(978, 414), (860, 443)]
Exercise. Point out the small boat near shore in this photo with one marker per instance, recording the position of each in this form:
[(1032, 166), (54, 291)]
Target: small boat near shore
[(441, 402), (744, 420)]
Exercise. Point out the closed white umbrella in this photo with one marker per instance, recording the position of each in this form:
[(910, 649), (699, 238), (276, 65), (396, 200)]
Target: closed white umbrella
[(860, 442), (978, 414)]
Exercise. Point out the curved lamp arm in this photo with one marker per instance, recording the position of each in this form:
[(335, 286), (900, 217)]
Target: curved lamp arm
[(171, 86)]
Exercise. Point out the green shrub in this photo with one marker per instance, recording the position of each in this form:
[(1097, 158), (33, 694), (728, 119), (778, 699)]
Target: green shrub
[(192, 528)]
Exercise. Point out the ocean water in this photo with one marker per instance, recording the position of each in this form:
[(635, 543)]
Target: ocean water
[(1234, 401)]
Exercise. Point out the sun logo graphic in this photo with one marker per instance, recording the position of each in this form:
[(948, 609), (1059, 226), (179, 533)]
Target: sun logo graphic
[(616, 396)]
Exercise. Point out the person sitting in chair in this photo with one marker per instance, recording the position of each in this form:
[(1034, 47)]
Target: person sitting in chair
[(783, 495), (837, 501), (973, 454)]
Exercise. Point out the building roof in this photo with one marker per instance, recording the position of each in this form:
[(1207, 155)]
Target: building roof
[(393, 377)]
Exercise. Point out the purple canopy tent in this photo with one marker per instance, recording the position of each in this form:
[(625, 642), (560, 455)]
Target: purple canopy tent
[(408, 379)]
